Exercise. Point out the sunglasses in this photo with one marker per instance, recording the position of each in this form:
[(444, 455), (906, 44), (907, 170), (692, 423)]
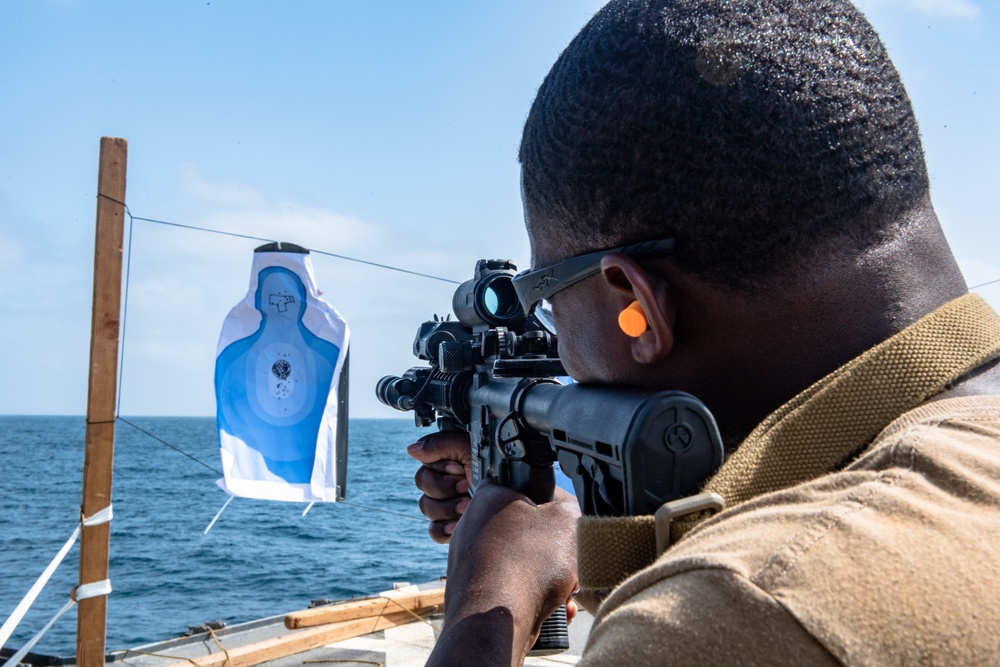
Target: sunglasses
[(536, 286)]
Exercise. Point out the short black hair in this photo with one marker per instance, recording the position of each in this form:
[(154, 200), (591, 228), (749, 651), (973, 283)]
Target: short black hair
[(752, 131)]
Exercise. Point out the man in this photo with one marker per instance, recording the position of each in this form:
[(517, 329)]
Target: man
[(810, 300)]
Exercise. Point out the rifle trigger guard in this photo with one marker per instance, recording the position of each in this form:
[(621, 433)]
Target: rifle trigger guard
[(503, 442)]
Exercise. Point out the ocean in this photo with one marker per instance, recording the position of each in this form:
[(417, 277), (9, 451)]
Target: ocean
[(260, 559)]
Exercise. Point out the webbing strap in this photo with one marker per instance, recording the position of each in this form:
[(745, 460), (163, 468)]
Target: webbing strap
[(25, 604), (830, 423), (92, 590), (809, 436), (610, 549), (17, 657), (101, 517)]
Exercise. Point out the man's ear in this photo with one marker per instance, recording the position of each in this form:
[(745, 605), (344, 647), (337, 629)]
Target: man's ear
[(634, 283)]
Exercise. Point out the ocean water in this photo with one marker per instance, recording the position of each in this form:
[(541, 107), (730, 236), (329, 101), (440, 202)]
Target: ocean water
[(260, 559)]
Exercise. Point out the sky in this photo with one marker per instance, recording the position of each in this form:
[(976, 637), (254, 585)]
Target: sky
[(381, 130)]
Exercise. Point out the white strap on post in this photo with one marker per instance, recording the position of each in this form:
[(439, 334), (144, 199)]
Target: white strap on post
[(98, 518), (22, 608), (92, 590), (17, 657)]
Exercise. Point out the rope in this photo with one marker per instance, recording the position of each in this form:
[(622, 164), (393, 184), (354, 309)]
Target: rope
[(229, 660), (409, 611)]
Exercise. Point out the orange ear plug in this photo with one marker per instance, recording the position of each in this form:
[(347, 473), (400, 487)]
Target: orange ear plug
[(632, 320)]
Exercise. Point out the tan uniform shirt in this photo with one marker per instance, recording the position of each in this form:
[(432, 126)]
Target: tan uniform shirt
[(894, 560)]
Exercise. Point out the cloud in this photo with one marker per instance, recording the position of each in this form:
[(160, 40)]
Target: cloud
[(961, 9), (226, 194)]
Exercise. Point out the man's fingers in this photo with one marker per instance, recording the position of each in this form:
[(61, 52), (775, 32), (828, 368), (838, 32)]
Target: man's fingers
[(444, 478), (440, 531), (447, 467), (442, 446), (438, 485), (443, 510)]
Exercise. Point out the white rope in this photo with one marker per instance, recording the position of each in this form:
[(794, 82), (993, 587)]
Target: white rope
[(218, 514), (103, 516), (308, 507)]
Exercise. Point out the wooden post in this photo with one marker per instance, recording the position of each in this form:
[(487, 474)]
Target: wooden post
[(101, 404)]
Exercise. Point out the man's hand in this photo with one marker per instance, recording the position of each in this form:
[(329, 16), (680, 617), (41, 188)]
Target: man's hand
[(444, 477), (511, 563)]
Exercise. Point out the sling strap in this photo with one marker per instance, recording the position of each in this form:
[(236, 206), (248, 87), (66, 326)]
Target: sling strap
[(819, 431)]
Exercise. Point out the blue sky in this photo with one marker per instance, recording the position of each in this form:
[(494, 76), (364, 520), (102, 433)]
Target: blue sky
[(385, 131)]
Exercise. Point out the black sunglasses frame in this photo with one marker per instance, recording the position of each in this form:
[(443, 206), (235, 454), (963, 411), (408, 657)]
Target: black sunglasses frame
[(536, 285)]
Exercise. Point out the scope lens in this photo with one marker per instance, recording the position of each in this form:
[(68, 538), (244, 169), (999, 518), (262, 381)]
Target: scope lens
[(499, 298), (491, 300)]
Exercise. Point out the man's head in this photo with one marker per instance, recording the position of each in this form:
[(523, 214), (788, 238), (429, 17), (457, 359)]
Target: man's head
[(773, 141), (751, 131)]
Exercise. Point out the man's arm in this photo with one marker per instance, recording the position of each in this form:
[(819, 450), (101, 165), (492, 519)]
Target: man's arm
[(510, 564)]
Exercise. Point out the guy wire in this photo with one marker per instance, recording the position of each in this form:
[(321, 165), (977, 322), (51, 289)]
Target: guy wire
[(990, 282), (219, 472), (164, 442), (318, 252), (128, 267), (121, 365), (128, 274)]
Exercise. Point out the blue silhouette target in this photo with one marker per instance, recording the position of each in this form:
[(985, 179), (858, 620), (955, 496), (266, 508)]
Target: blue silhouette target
[(276, 380)]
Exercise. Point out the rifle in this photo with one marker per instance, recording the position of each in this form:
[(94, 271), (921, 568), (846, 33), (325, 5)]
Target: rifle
[(493, 373)]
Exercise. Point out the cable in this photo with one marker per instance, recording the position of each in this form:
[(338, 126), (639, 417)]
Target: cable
[(205, 229), (164, 442), (219, 472), (318, 252), (128, 275), (984, 284), (375, 509), (386, 266), (128, 272)]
